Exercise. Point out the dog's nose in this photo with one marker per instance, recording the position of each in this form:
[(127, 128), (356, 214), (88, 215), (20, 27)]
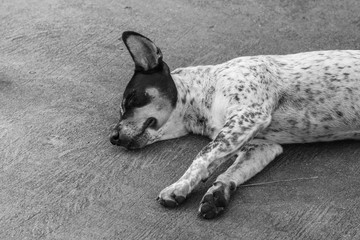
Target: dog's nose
[(120, 140), (115, 137)]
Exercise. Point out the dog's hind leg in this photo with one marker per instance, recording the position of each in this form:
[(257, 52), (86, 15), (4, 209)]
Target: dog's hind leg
[(251, 159)]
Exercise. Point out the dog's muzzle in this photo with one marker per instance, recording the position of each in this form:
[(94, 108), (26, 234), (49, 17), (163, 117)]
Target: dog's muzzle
[(135, 142), (120, 140)]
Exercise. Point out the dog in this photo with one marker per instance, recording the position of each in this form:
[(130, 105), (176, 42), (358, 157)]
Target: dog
[(247, 106)]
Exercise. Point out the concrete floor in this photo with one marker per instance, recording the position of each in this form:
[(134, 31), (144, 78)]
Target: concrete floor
[(62, 72)]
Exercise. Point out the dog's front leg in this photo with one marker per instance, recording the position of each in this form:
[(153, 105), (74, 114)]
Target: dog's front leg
[(251, 159), (241, 126)]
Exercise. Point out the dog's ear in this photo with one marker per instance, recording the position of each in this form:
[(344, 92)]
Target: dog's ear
[(144, 52)]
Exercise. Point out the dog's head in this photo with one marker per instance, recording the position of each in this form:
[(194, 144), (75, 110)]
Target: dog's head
[(149, 98)]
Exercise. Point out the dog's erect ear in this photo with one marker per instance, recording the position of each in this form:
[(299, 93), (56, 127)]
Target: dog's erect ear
[(144, 52)]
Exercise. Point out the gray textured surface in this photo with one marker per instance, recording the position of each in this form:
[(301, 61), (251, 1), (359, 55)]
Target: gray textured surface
[(62, 71)]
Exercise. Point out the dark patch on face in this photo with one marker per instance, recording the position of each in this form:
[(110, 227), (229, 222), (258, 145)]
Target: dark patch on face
[(135, 93), (135, 99)]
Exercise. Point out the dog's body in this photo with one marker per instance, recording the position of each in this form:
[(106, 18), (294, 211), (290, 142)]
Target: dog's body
[(247, 106), (313, 96)]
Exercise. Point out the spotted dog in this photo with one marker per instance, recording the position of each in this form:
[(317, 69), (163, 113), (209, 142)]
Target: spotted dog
[(247, 106)]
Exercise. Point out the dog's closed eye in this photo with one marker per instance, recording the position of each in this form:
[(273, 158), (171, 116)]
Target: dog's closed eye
[(150, 122)]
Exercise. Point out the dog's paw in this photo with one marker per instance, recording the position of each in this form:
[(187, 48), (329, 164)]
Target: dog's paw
[(174, 194), (215, 200)]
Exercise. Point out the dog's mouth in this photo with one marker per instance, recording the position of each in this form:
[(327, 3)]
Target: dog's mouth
[(136, 142), (133, 145), (130, 144)]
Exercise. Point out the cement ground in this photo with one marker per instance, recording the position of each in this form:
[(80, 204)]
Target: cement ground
[(62, 72)]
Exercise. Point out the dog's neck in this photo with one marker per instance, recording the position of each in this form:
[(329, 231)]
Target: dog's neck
[(195, 95)]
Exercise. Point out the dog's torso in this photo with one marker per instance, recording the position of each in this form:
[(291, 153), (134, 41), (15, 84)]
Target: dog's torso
[(313, 96)]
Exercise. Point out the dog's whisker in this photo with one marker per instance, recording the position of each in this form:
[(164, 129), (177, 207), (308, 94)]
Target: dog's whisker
[(278, 181)]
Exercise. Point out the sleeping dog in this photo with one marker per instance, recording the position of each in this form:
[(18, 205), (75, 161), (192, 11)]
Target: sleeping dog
[(247, 106)]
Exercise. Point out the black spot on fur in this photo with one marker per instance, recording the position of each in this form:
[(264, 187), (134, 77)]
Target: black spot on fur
[(183, 100), (292, 121), (239, 88), (328, 117), (209, 97), (314, 113), (202, 120), (248, 147), (339, 114)]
